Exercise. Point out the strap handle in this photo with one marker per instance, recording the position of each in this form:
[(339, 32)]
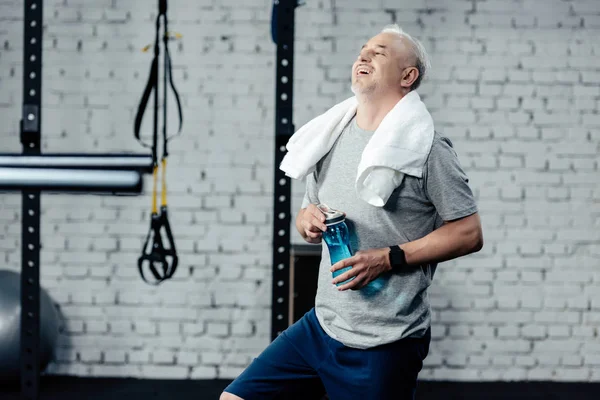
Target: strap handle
[(161, 261)]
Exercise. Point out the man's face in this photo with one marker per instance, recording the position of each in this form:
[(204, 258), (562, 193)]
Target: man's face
[(379, 65)]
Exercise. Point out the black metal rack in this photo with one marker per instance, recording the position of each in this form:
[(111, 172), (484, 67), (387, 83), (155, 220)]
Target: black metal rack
[(31, 173), (30, 212), (284, 128)]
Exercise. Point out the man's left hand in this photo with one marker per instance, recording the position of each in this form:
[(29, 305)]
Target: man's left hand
[(366, 265)]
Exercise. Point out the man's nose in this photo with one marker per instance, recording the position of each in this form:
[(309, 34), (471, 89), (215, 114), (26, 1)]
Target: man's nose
[(364, 55)]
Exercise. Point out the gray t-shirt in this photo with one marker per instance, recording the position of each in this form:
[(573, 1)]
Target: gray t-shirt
[(395, 305)]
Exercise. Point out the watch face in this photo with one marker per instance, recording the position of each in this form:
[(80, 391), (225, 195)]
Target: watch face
[(397, 257)]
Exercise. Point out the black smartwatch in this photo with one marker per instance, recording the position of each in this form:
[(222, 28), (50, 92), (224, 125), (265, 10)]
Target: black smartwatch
[(397, 258)]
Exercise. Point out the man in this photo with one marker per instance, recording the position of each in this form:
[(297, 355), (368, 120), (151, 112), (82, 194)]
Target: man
[(353, 344)]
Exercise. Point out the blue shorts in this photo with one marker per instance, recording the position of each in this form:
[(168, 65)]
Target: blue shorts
[(305, 363)]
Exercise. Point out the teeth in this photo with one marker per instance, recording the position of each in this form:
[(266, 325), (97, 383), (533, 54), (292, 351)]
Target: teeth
[(361, 70)]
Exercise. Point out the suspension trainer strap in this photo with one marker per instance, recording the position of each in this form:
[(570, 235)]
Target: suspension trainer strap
[(159, 259), (151, 86), (175, 94)]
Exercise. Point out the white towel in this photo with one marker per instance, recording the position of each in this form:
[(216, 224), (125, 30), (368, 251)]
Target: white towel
[(399, 146)]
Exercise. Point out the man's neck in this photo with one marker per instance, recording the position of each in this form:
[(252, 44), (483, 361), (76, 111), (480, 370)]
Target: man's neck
[(372, 110)]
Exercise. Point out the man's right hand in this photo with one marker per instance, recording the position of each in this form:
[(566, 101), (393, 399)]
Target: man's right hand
[(311, 224)]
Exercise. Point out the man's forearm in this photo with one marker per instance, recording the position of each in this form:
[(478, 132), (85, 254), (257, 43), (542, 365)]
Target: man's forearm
[(451, 240)]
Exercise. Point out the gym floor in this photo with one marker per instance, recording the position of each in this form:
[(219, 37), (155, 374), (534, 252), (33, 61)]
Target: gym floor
[(67, 388)]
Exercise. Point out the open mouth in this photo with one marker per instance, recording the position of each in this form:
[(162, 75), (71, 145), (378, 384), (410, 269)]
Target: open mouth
[(363, 71)]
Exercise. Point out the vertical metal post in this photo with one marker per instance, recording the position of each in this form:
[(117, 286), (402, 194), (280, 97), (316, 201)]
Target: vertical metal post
[(284, 129), (30, 214)]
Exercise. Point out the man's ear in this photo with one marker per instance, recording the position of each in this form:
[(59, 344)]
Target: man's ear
[(409, 76)]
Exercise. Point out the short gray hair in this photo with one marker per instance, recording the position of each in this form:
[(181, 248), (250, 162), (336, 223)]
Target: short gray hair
[(423, 64)]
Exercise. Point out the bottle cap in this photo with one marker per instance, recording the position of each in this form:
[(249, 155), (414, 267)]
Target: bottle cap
[(332, 216)]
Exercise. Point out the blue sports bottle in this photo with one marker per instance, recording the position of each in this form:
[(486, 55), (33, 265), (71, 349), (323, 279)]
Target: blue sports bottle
[(337, 238)]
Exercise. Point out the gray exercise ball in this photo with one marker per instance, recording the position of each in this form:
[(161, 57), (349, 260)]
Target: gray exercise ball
[(10, 327)]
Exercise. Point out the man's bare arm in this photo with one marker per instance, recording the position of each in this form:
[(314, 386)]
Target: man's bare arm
[(452, 240)]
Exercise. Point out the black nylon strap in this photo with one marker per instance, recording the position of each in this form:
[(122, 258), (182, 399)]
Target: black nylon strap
[(161, 261), (176, 94), (150, 86)]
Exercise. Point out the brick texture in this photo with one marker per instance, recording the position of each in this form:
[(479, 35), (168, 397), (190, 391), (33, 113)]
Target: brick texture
[(515, 85)]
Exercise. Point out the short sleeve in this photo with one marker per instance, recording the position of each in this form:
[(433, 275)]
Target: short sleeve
[(310, 196), (446, 183)]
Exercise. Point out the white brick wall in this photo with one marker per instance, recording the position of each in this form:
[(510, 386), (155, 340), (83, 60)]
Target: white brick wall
[(515, 85)]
